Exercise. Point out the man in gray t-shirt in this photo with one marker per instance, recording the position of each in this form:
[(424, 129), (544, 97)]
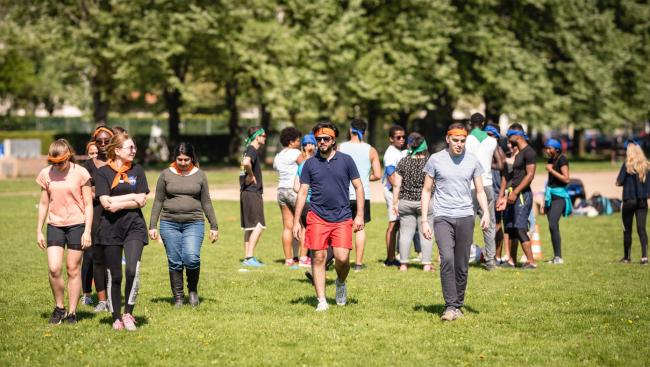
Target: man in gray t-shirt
[(452, 171)]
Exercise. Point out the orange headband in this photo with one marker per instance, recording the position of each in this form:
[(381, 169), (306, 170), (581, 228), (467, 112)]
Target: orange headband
[(326, 131), (462, 132), (108, 131), (59, 159)]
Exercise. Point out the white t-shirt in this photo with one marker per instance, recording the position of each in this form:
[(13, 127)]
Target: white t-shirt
[(392, 156), (483, 151), (285, 163)]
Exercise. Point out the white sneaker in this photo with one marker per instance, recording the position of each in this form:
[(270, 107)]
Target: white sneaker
[(341, 293), (322, 306)]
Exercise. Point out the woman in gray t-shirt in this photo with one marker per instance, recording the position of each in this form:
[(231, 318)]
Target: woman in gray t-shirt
[(182, 199)]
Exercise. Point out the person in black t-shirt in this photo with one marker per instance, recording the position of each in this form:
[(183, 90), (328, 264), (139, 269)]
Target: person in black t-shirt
[(516, 197), (122, 189), (251, 205), (94, 265), (557, 201), (636, 190)]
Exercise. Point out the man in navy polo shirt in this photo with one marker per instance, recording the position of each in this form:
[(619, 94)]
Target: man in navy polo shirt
[(329, 222)]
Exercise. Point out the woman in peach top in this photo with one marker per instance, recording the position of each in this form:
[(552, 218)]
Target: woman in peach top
[(67, 202)]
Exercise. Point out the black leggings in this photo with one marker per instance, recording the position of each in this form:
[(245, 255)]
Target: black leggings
[(93, 267), (554, 213), (640, 209), (113, 256)]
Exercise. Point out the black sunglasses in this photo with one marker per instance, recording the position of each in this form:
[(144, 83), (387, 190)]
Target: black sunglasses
[(325, 139), (399, 137)]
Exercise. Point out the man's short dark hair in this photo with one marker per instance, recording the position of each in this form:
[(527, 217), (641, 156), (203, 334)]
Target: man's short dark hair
[(289, 134), (457, 125), (477, 120), (327, 124), (516, 126), (359, 124), (393, 129), (251, 130)]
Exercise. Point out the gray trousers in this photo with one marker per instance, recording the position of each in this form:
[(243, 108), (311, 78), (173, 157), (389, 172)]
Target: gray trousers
[(409, 221), (454, 238), (490, 233)]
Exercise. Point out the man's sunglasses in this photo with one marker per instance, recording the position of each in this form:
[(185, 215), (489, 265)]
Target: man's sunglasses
[(399, 137), (325, 139)]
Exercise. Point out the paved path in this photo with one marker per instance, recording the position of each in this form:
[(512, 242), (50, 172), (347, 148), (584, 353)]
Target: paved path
[(602, 182)]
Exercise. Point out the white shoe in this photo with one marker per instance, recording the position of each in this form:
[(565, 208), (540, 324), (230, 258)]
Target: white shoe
[(322, 306), (341, 293)]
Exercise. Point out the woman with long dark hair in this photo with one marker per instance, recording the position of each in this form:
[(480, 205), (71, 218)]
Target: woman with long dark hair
[(636, 189), (182, 200), (66, 202), (557, 202), (122, 189)]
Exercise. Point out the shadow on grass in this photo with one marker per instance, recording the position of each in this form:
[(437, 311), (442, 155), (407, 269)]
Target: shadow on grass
[(439, 309), (81, 315), (313, 301), (140, 320), (305, 280), (170, 300)]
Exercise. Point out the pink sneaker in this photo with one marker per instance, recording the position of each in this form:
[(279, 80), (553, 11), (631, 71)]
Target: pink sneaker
[(129, 322), (305, 262), (289, 262), (118, 325)]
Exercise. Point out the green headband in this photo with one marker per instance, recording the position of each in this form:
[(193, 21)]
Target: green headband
[(250, 139), (421, 148)]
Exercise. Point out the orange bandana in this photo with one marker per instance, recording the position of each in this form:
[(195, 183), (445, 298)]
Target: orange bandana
[(325, 131), (462, 132), (108, 131), (120, 172), (180, 171), (59, 159)]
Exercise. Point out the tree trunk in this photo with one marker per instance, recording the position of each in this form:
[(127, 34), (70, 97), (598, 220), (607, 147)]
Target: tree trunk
[(265, 122), (173, 104), (492, 111), (373, 109), (436, 122), (403, 119), (232, 90), (101, 100), (578, 148)]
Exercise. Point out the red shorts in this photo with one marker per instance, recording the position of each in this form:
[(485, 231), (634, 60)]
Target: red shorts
[(321, 234)]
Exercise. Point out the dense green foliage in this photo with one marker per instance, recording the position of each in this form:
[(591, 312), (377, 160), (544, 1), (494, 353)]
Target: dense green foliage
[(544, 62)]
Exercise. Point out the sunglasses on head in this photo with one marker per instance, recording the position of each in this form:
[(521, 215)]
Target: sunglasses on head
[(325, 139)]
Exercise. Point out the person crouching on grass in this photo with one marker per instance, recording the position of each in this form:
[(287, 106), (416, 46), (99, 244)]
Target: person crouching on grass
[(67, 202), (183, 197), (329, 221), (452, 171), (122, 189)]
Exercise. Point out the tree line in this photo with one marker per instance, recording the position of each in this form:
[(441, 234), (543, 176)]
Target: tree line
[(547, 63)]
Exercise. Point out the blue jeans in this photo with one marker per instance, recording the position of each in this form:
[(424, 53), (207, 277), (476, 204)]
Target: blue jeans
[(182, 243)]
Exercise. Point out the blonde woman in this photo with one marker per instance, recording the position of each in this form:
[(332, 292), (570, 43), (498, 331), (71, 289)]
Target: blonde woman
[(121, 187), (633, 177), (67, 202)]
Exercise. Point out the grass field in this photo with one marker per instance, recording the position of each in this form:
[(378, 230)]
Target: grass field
[(590, 311)]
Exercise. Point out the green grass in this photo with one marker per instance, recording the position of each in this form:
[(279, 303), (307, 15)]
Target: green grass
[(591, 311)]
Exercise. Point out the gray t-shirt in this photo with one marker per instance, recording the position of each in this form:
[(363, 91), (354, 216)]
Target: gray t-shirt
[(452, 196)]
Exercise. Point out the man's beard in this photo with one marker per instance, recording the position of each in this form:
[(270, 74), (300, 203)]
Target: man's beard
[(327, 151)]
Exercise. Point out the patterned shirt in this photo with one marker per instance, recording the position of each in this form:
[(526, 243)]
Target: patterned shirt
[(411, 170)]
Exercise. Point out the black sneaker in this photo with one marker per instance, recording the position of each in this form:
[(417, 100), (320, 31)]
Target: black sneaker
[(57, 316), (71, 319), (393, 262)]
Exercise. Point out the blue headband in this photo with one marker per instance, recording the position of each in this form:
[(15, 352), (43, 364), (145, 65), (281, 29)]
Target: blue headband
[(493, 130), (358, 132), (517, 132), (308, 139), (631, 141), (553, 143)]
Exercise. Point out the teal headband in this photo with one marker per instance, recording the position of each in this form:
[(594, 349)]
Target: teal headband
[(421, 148), (250, 139)]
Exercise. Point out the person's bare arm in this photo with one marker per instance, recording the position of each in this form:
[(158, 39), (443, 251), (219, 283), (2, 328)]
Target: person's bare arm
[(563, 175), (376, 166), (396, 187), (248, 167), (43, 207), (359, 221), (530, 174), (424, 203), (498, 159), (87, 194), (481, 197), (300, 204)]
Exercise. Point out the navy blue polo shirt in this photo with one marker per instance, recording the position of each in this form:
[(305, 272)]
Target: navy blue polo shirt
[(329, 182)]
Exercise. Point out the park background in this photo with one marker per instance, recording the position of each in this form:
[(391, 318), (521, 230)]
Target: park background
[(204, 71)]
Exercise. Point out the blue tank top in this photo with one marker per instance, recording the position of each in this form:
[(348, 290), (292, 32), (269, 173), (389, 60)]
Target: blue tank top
[(360, 153)]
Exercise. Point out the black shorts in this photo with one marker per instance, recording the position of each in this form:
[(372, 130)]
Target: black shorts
[(366, 210), (516, 214), (251, 210), (62, 236)]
